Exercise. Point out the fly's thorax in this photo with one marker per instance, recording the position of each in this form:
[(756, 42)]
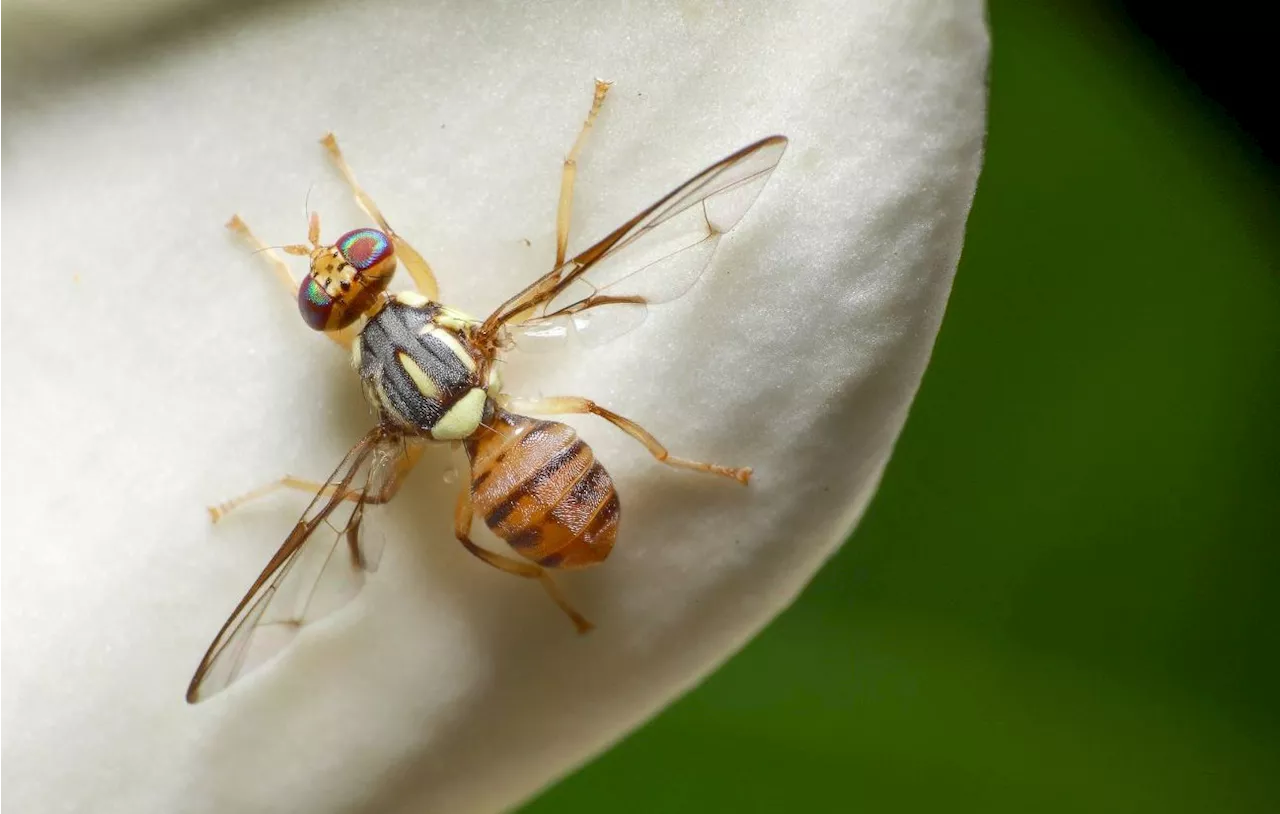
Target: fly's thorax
[(420, 370)]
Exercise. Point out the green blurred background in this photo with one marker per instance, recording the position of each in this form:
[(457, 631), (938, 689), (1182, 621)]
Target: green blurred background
[(1062, 598)]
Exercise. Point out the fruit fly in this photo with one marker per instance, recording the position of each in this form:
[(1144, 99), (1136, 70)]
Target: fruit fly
[(431, 374)]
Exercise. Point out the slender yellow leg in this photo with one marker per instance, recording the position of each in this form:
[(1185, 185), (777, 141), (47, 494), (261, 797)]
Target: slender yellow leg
[(220, 511), (561, 405), (343, 337), (462, 518), (414, 263), (564, 212), (404, 466)]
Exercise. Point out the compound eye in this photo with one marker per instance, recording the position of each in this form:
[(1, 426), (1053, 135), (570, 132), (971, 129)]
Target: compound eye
[(315, 304), (346, 279), (365, 248)]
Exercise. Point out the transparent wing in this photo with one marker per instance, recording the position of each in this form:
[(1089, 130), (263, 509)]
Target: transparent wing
[(320, 566), (653, 258)]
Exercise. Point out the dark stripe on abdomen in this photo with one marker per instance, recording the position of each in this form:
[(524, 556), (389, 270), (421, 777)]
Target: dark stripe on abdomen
[(540, 481), (545, 494)]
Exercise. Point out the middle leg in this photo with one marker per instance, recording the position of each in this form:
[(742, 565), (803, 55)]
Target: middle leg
[(404, 466), (564, 211)]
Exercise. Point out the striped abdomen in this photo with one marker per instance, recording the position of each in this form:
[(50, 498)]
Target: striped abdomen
[(540, 488)]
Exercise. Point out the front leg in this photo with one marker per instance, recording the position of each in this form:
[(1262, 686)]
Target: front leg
[(414, 263), (561, 405), (344, 336)]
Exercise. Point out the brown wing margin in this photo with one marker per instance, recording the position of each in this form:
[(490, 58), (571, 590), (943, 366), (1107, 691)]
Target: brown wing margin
[(285, 596), (752, 163)]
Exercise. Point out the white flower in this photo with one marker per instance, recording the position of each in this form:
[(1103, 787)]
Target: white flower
[(151, 368)]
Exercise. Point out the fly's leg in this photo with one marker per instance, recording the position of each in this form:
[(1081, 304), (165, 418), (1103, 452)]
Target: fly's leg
[(220, 511), (403, 467), (423, 279), (564, 212), (344, 336), (462, 518), (561, 405), (274, 260)]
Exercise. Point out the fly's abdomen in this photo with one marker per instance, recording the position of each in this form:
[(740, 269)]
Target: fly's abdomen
[(539, 487)]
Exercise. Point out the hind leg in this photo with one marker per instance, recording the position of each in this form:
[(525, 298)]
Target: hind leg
[(462, 529), (561, 405)]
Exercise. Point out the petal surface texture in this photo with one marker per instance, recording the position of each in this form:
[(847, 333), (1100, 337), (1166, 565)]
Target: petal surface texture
[(152, 368)]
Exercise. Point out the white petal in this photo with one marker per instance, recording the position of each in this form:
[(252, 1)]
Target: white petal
[(151, 368)]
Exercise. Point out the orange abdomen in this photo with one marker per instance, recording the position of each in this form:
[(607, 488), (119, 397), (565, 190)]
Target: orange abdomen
[(539, 487)]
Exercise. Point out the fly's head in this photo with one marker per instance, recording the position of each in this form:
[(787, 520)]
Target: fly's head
[(346, 278)]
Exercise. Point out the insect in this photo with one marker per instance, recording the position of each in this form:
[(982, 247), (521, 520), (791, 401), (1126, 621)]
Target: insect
[(430, 372)]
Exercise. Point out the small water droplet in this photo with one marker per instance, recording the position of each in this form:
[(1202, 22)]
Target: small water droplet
[(450, 475)]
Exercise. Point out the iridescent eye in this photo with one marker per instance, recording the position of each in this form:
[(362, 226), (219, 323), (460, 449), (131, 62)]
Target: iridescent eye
[(364, 248), (315, 303)]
